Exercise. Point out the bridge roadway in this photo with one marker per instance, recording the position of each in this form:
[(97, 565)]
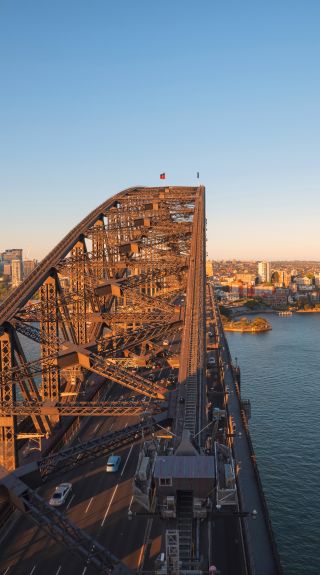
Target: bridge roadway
[(261, 553), (99, 504)]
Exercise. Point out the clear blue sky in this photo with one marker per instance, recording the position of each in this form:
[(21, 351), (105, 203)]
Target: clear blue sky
[(99, 95)]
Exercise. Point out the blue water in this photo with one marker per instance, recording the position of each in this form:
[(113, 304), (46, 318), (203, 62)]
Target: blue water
[(280, 374)]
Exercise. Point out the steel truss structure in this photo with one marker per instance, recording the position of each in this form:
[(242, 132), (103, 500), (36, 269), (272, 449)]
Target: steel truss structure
[(103, 301)]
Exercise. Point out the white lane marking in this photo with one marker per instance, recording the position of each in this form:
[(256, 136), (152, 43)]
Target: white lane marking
[(72, 498), (89, 505), (59, 569), (126, 461), (111, 426), (129, 508), (106, 513), (96, 427), (126, 425), (33, 569), (83, 572), (6, 571)]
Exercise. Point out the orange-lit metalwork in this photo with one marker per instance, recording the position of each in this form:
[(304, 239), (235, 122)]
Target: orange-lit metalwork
[(103, 301)]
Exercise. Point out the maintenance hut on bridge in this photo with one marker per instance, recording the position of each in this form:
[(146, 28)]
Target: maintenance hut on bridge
[(184, 476)]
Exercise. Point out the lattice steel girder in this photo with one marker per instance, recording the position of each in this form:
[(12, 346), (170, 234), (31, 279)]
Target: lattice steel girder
[(121, 318), (98, 251), (134, 338), (99, 446), (132, 381), (32, 332), (8, 423), (49, 331), (77, 355), (79, 408), (29, 389), (79, 304)]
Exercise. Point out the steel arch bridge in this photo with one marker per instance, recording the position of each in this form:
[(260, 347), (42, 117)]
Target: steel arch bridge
[(104, 300)]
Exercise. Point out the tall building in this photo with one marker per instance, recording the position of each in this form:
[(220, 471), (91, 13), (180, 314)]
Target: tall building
[(7, 269), (12, 254), (28, 266), (16, 272), (264, 272)]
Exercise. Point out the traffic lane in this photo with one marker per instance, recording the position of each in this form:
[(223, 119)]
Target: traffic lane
[(39, 552), (106, 516), (27, 540), (154, 545), (20, 559), (94, 470), (93, 492)]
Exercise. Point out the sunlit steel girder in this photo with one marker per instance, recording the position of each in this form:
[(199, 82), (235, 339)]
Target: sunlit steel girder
[(79, 408), (95, 363)]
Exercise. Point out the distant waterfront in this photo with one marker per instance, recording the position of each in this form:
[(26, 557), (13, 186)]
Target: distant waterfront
[(280, 374)]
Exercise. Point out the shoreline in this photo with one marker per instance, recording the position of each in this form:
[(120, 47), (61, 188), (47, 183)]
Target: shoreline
[(307, 311)]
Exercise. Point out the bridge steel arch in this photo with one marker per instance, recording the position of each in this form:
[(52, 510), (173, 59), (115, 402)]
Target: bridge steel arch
[(101, 301)]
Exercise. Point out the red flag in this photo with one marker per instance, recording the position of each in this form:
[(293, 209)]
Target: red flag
[(163, 176)]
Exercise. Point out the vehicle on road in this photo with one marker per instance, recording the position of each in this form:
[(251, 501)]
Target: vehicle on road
[(211, 362), (113, 463), (165, 342), (60, 494)]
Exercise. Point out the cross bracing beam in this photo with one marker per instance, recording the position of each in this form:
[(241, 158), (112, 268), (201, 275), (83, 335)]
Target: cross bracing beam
[(108, 345), (127, 287), (132, 338), (93, 362), (99, 446), (135, 382), (79, 408)]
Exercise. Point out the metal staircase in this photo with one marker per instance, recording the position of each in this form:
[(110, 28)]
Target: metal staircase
[(184, 524)]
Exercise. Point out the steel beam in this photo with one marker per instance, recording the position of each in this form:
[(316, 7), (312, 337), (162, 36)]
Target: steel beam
[(8, 423)]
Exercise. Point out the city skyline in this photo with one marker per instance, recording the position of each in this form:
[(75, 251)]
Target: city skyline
[(230, 91)]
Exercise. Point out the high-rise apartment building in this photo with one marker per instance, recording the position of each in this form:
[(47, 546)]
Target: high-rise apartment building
[(28, 266), (12, 254), (264, 272), (7, 269), (16, 272)]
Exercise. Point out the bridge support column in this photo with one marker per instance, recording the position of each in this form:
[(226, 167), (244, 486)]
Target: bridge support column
[(77, 280), (8, 424), (50, 389), (98, 252)]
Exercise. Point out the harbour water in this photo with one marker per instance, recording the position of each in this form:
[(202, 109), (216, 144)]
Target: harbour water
[(280, 374)]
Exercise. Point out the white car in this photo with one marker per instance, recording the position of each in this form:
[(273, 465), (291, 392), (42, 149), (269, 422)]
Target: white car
[(60, 494), (165, 342), (113, 463)]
